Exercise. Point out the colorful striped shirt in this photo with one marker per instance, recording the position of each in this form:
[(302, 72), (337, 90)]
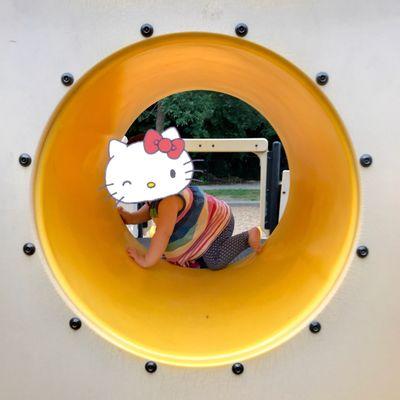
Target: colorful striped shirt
[(202, 218)]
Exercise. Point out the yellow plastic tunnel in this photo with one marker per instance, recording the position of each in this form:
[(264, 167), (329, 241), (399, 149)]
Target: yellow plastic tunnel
[(175, 315)]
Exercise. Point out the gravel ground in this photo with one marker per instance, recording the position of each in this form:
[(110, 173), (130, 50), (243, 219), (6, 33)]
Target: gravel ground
[(246, 217)]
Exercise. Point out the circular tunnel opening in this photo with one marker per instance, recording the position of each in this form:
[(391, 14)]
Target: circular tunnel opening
[(175, 315), (231, 176)]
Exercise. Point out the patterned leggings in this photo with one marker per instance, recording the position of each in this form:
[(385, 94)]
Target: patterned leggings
[(225, 248)]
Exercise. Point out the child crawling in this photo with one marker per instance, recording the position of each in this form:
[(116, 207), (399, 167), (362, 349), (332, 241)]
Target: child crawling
[(193, 229)]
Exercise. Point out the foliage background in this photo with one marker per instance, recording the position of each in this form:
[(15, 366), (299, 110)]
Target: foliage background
[(207, 114)]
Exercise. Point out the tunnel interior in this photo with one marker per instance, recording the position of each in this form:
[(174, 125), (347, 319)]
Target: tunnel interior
[(176, 315)]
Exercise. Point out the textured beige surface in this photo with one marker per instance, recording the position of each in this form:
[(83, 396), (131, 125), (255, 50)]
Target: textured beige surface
[(356, 355)]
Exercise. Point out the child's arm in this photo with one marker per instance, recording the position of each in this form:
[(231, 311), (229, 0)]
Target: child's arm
[(167, 213), (136, 217)]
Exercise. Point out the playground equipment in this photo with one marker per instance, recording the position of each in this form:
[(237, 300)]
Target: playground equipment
[(274, 186), (192, 328), (257, 146)]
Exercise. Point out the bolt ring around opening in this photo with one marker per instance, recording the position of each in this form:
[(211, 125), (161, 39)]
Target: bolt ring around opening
[(25, 159), (362, 251), (150, 367), (241, 29), (146, 30), (238, 368), (315, 327), (29, 249), (366, 160), (260, 334), (67, 79), (322, 78), (75, 323)]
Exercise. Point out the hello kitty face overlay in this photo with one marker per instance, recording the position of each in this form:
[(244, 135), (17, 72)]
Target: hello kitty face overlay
[(145, 171)]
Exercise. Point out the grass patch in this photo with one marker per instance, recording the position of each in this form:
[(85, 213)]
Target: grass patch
[(236, 194)]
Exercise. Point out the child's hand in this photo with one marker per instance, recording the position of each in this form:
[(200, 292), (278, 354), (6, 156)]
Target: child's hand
[(139, 258), (125, 215)]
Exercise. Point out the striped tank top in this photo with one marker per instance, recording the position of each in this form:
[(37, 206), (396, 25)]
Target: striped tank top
[(200, 221)]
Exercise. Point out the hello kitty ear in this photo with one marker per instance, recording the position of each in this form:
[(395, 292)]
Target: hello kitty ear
[(171, 133), (115, 147)]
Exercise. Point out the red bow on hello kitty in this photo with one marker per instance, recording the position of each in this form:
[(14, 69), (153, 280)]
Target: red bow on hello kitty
[(154, 142)]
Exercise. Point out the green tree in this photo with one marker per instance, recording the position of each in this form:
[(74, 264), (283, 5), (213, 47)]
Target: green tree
[(207, 114)]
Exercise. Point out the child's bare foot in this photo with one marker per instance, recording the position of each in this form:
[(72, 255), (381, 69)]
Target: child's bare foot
[(255, 239)]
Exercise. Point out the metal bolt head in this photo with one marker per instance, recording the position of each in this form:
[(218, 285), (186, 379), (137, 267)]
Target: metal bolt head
[(241, 29), (67, 79), (322, 78), (146, 30), (315, 327), (150, 367), (366, 160), (237, 368), (362, 251), (29, 249), (25, 159), (75, 323)]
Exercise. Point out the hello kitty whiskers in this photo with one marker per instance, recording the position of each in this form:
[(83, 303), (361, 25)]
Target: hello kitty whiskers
[(105, 185), (194, 160), (119, 201), (194, 180)]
